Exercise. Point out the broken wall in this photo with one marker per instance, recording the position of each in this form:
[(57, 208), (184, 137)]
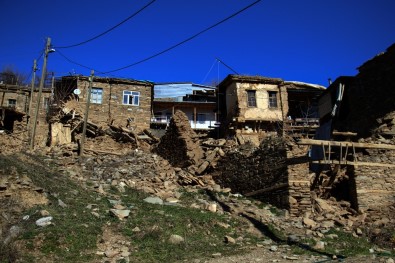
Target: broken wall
[(371, 114), (180, 145)]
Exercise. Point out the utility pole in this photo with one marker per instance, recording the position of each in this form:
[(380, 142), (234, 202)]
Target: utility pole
[(32, 89), (88, 103), (40, 89)]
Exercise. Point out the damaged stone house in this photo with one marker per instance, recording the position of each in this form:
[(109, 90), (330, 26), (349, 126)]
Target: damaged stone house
[(17, 107), (252, 107), (355, 156), (198, 102), (261, 111), (114, 102)]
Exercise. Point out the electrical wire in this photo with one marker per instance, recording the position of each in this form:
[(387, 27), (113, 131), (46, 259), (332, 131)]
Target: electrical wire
[(186, 40), (108, 30), (76, 63), (215, 60), (223, 63)]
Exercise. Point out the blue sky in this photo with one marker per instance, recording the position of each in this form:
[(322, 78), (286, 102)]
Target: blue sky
[(306, 40)]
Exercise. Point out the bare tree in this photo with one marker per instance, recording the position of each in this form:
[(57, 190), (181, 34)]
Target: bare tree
[(12, 76)]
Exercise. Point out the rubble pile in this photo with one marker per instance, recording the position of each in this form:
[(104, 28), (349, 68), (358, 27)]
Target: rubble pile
[(180, 145)]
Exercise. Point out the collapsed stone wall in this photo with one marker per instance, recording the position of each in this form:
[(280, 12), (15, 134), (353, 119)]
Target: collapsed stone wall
[(275, 172), (248, 169), (180, 145), (372, 115)]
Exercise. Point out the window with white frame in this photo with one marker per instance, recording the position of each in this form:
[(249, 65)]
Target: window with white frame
[(272, 99), (97, 95), (131, 98), (12, 103)]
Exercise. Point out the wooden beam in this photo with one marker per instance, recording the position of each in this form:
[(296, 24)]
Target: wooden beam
[(102, 152), (344, 133), (353, 163), (267, 189), (344, 143)]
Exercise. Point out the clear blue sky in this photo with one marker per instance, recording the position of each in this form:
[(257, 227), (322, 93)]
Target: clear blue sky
[(306, 40)]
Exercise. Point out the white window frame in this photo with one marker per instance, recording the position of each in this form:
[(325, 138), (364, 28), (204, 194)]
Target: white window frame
[(96, 95), (131, 98), (13, 104)]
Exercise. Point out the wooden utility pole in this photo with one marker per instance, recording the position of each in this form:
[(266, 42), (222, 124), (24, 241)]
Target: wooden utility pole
[(88, 102), (40, 89), (32, 89)]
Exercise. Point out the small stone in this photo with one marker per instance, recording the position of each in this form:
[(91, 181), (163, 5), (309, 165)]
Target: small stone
[(230, 240), (136, 229), (121, 214), (320, 245), (176, 239), (44, 221), (309, 222), (273, 248), (216, 255), (95, 214), (154, 200), (44, 213), (172, 200), (358, 231), (212, 208), (111, 253), (61, 203), (267, 242), (389, 260)]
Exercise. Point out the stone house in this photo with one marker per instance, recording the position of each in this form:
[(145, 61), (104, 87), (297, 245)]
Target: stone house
[(256, 106), (16, 109), (198, 102), (364, 115), (113, 101)]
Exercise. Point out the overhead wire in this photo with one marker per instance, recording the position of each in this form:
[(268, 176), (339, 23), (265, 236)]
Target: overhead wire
[(76, 63), (108, 30), (167, 49), (186, 40), (205, 77)]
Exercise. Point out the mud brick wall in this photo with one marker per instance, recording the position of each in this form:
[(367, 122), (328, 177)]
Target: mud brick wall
[(298, 180), (112, 110)]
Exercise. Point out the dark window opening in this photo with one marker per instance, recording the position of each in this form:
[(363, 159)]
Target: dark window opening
[(251, 98), (272, 99)]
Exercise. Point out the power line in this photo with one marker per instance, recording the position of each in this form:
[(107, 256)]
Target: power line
[(110, 29), (76, 63), (186, 40), (223, 63)]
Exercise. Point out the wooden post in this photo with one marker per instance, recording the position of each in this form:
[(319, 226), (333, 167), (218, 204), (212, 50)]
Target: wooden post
[(32, 89), (88, 102), (40, 89)]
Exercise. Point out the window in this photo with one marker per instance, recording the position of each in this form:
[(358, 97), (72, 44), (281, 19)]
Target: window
[(12, 103), (272, 99), (251, 98), (46, 103), (97, 95), (201, 118), (131, 98)]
